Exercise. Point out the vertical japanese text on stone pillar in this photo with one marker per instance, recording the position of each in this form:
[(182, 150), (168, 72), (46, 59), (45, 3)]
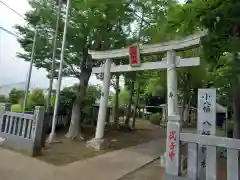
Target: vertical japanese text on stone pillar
[(206, 120)]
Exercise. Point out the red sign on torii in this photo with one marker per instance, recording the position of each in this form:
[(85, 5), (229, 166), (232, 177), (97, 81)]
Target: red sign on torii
[(134, 55)]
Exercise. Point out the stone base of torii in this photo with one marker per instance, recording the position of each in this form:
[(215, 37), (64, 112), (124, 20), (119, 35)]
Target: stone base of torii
[(171, 63)]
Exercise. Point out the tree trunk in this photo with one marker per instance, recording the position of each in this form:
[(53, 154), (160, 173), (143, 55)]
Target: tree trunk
[(74, 130), (236, 97), (136, 106), (186, 96), (76, 117), (190, 109), (236, 114), (186, 113), (129, 108), (183, 107), (116, 103), (236, 101)]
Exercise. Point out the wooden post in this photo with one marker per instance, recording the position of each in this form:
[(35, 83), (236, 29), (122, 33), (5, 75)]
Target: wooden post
[(37, 130)]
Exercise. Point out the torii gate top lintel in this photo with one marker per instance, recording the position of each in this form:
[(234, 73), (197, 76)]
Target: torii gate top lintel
[(187, 42)]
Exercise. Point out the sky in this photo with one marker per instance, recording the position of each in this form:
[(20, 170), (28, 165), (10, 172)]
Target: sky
[(13, 69)]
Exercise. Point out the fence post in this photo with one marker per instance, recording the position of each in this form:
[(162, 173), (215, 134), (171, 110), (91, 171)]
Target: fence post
[(3, 122), (45, 126), (6, 107), (37, 129)]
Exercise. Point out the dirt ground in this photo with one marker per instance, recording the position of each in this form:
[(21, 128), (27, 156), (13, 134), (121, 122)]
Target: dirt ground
[(68, 151)]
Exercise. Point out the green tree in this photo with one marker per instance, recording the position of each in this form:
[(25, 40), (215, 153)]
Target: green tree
[(93, 25), (171, 26), (156, 83), (147, 14), (3, 98), (68, 99), (124, 96), (220, 77), (36, 98), (221, 18), (116, 101), (15, 95)]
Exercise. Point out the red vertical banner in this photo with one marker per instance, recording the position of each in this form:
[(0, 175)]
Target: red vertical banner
[(134, 55)]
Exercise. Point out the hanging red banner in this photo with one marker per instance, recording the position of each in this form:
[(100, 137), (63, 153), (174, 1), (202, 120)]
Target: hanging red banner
[(134, 55)]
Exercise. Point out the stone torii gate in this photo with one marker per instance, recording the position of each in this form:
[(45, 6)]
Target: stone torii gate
[(171, 63)]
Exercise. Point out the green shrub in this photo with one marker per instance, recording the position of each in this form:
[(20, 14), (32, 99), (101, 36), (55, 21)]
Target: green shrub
[(16, 108), (3, 98), (1, 107), (155, 119), (15, 95)]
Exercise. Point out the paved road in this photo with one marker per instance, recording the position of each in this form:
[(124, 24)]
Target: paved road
[(110, 166), (151, 171)]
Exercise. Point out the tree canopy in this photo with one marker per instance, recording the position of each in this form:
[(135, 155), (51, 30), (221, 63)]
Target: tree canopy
[(15, 95), (92, 25), (101, 25)]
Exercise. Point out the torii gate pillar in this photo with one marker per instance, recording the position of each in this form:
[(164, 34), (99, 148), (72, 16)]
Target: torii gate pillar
[(173, 125), (172, 155), (172, 84), (98, 140)]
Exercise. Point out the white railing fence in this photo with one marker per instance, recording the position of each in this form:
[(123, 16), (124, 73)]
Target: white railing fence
[(17, 124), (211, 143), (22, 131)]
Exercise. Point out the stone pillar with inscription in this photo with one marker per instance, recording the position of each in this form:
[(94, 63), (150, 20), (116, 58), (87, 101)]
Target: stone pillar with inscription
[(98, 140), (173, 165), (206, 125)]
